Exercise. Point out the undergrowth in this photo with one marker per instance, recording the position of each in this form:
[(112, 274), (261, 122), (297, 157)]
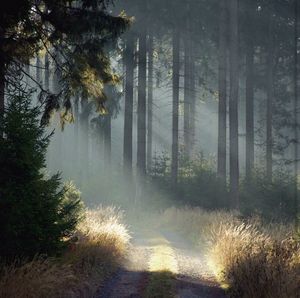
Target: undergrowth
[(97, 248), (248, 256)]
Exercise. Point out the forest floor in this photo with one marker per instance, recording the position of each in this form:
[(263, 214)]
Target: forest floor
[(153, 252)]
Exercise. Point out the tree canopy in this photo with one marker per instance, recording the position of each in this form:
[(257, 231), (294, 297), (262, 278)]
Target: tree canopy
[(75, 34)]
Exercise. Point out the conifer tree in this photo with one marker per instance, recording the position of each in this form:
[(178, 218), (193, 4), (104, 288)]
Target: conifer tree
[(36, 214)]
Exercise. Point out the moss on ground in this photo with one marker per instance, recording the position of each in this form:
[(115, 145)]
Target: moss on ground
[(161, 284)]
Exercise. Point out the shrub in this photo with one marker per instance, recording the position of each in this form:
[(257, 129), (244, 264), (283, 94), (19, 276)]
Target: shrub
[(199, 186), (39, 278), (195, 223), (102, 238), (254, 264), (197, 182), (271, 199), (250, 257), (100, 245), (36, 213)]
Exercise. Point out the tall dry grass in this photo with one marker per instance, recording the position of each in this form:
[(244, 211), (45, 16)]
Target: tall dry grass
[(252, 258), (254, 263), (38, 278), (196, 223), (102, 243), (99, 246)]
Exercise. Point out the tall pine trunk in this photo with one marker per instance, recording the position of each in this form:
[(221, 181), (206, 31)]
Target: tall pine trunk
[(2, 71), (249, 110), (84, 129), (58, 133), (2, 83), (107, 140), (76, 130), (39, 70), (27, 71), (175, 111), (141, 108), (192, 98), (296, 116), (222, 114), (128, 113), (50, 156), (233, 105), (47, 72), (270, 95), (187, 87), (150, 101)]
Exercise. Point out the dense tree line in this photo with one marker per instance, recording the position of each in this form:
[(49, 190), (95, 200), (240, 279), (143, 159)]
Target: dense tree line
[(185, 77), (238, 57), (253, 44)]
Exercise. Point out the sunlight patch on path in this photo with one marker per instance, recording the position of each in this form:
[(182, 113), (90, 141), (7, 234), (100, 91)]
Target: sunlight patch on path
[(163, 256), (195, 279)]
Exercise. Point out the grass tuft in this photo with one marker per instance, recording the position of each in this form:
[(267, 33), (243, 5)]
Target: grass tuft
[(255, 264), (99, 246), (249, 257), (161, 284)]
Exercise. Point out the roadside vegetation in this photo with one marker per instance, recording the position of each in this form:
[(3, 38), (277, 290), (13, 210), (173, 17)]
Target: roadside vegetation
[(51, 245), (97, 248), (198, 186), (249, 257)]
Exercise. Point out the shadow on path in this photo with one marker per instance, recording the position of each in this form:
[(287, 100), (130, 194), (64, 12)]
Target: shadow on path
[(192, 280)]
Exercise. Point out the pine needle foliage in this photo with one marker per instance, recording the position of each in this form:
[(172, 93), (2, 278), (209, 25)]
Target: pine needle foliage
[(75, 34), (36, 215)]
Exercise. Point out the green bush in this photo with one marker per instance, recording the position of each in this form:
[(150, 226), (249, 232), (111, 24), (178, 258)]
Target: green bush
[(201, 186), (271, 199), (37, 214), (197, 185)]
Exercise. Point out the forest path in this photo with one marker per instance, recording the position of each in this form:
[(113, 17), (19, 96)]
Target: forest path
[(154, 251), (194, 278)]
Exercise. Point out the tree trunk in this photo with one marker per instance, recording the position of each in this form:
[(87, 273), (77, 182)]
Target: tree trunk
[(150, 101), (59, 159), (47, 72), (47, 78), (249, 110), (76, 130), (39, 70), (222, 115), (27, 71), (128, 113), (84, 125), (175, 112), (233, 105), (270, 95), (141, 109), (2, 87), (296, 117), (107, 141), (2, 90), (192, 99), (2, 74), (187, 87)]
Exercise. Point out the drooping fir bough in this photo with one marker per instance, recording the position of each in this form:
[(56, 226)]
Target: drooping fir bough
[(73, 33)]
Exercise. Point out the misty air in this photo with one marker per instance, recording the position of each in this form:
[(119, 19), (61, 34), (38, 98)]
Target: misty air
[(149, 149)]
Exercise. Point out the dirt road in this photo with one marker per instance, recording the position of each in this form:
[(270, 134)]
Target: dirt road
[(154, 251)]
